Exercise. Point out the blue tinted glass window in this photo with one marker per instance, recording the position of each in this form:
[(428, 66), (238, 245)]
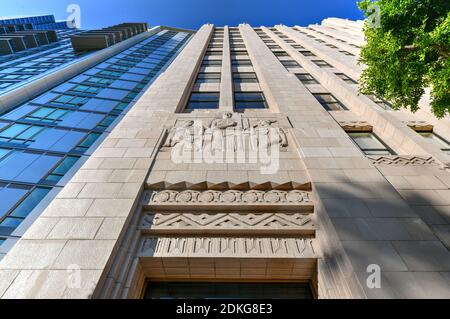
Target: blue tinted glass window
[(10, 196), (20, 133), (62, 169), (38, 168), (87, 142), (30, 202), (68, 119), (13, 131), (57, 140), (3, 153), (11, 222)]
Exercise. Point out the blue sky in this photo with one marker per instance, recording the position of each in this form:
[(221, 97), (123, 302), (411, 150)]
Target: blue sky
[(188, 13)]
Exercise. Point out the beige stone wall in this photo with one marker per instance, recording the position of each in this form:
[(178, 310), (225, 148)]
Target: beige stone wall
[(132, 214)]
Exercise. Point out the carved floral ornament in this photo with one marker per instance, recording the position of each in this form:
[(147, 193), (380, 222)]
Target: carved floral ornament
[(230, 197)]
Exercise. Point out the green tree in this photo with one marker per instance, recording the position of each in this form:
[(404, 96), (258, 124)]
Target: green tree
[(407, 51)]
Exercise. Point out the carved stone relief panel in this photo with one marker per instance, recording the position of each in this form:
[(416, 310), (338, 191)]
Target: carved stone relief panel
[(231, 131)]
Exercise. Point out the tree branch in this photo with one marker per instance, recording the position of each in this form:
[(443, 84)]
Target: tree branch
[(443, 52)]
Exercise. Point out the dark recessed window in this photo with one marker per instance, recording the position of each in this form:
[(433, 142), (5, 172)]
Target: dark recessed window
[(345, 78), (329, 102), (306, 53), (249, 100), (208, 78), (247, 77), (322, 64), (306, 78), (235, 46), (347, 53), (215, 46), (380, 102), (274, 47), (239, 52), (370, 144), (206, 63), (291, 64), (331, 46), (204, 101), (298, 46), (213, 53), (229, 290), (243, 62), (281, 53)]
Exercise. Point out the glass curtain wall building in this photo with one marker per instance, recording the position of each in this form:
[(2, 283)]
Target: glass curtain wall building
[(44, 139), (24, 66), (28, 50), (45, 22)]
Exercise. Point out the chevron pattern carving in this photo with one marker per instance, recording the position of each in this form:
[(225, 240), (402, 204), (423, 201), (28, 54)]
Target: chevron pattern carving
[(226, 247), (402, 160), (191, 222)]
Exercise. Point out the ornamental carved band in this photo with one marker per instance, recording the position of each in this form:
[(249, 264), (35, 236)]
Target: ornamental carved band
[(226, 247), (231, 197), (225, 220), (395, 160)]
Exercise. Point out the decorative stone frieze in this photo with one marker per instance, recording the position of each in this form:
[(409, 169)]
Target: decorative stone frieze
[(226, 223), (229, 197), (403, 160), (217, 247)]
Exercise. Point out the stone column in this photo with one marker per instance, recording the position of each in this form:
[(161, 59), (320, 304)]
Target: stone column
[(226, 102)]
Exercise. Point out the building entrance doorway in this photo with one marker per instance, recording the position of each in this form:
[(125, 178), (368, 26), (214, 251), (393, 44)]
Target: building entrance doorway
[(214, 290)]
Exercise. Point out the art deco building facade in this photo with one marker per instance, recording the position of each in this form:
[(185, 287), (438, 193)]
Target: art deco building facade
[(251, 162)]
